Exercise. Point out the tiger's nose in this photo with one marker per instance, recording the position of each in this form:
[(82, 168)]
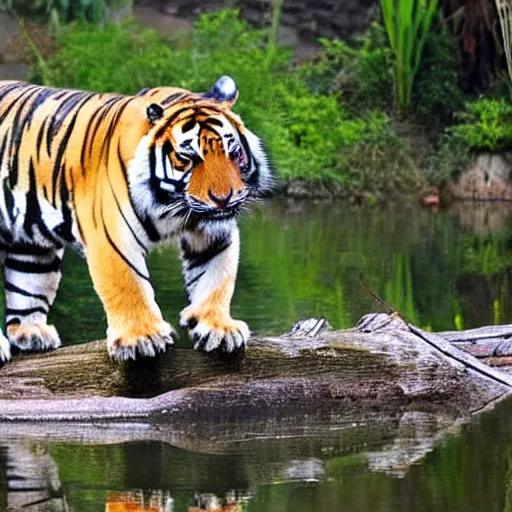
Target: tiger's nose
[(221, 202)]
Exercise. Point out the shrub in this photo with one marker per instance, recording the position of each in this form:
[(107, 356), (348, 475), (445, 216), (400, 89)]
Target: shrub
[(436, 91), (362, 73), (450, 156), (486, 124), (380, 162)]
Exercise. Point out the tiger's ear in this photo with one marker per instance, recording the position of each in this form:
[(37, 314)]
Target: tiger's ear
[(224, 91), (154, 112)]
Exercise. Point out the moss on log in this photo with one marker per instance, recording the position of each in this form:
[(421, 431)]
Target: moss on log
[(383, 363)]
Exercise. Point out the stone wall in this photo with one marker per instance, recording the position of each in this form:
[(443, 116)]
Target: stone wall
[(307, 19), (489, 178), (302, 23)]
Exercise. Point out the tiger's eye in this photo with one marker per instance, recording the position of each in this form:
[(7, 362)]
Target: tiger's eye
[(235, 153)]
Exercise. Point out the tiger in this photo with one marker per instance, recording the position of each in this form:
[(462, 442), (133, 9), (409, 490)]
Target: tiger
[(113, 176)]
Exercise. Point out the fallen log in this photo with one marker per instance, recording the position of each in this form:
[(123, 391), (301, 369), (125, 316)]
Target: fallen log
[(382, 364)]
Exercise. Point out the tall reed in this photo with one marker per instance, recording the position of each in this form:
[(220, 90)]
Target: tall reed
[(277, 9), (407, 24)]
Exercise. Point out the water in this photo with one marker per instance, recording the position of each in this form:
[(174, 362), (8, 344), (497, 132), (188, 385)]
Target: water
[(412, 462), (441, 271), (445, 271)]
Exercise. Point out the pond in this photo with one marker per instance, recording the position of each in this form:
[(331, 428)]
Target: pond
[(408, 463), (298, 260), (442, 271)]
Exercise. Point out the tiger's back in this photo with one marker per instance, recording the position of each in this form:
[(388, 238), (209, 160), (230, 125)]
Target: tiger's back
[(56, 141)]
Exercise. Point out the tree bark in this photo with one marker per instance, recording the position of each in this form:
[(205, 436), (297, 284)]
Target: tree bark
[(383, 364)]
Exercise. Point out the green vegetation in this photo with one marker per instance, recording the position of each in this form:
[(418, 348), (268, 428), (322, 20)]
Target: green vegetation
[(310, 131), (360, 74), (376, 117), (486, 124), (407, 24), (304, 129)]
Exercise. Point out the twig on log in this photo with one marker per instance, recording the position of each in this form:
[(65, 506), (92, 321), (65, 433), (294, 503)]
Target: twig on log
[(389, 309)]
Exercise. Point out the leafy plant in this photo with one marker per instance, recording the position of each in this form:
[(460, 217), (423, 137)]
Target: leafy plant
[(361, 73), (486, 124), (436, 92), (407, 24), (448, 158)]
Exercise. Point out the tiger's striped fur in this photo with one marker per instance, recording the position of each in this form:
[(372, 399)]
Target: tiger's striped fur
[(115, 175)]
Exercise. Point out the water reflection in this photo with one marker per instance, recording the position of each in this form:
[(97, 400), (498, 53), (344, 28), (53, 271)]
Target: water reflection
[(139, 501), (32, 478), (444, 271), (326, 462)]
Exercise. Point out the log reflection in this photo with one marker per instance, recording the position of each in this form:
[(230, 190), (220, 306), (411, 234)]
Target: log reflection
[(32, 478)]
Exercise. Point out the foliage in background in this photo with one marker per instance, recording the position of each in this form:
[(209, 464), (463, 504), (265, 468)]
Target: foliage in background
[(448, 158), (436, 93), (305, 129), (407, 24), (361, 72), (381, 165), (486, 124), (328, 119)]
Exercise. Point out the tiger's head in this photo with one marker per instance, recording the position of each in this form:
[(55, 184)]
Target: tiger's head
[(198, 162)]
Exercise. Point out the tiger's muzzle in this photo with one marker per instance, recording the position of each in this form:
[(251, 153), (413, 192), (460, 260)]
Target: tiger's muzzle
[(219, 208)]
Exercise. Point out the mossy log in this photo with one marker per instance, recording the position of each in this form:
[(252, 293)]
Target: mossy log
[(382, 364)]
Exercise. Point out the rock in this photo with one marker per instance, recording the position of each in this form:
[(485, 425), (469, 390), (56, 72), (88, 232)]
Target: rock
[(311, 19), (166, 24), (489, 178)]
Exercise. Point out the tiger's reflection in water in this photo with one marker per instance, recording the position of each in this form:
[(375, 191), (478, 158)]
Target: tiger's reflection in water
[(30, 481), (139, 501), (162, 501)]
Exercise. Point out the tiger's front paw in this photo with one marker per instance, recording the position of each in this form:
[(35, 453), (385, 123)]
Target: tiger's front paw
[(135, 344), (5, 349), (211, 334), (34, 337)]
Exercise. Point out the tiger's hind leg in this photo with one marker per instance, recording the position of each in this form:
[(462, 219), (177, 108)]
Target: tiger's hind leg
[(32, 276)]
